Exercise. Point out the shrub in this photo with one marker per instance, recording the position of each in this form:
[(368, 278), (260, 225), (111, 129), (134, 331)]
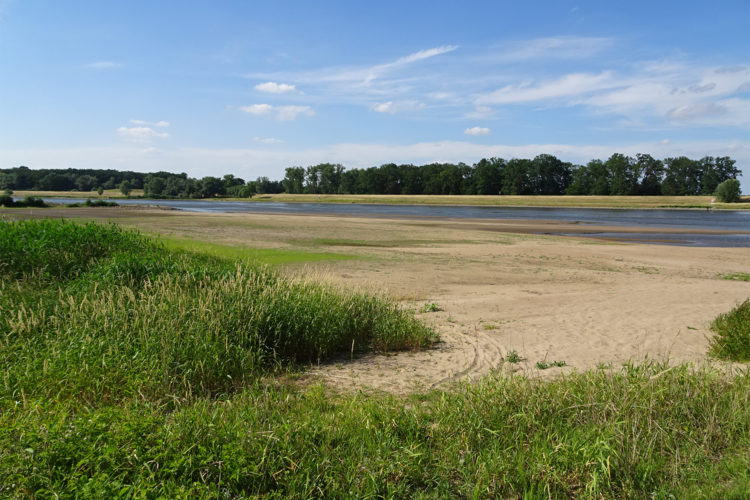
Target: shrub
[(728, 191)]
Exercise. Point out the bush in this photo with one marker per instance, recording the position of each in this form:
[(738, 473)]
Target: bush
[(732, 340), (728, 191)]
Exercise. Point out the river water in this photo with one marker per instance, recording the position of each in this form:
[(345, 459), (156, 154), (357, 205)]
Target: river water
[(736, 223)]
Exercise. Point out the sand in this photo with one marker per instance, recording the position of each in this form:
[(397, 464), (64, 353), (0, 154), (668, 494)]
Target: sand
[(592, 304)]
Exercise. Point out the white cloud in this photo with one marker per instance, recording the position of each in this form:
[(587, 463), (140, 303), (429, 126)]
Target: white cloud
[(385, 107), (477, 131), (423, 54), (267, 140), (141, 134), (480, 112), (281, 113), (104, 65), (397, 107), (559, 47), (697, 111), (160, 123), (257, 109), (343, 80), (287, 113), (275, 88), (574, 84)]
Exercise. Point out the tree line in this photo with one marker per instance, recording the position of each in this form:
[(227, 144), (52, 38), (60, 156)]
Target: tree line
[(155, 185), (545, 174)]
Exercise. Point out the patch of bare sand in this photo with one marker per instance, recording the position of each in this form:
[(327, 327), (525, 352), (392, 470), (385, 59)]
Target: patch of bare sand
[(586, 303)]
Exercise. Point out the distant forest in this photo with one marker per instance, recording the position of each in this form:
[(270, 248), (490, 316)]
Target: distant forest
[(544, 175)]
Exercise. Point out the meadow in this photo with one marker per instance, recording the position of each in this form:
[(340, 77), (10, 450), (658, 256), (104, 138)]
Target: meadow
[(136, 367)]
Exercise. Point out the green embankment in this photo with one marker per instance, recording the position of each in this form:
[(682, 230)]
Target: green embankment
[(134, 371)]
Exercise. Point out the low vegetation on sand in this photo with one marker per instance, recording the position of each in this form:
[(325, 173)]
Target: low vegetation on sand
[(130, 370)]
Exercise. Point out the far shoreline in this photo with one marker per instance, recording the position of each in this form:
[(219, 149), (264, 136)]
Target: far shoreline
[(509, 201)]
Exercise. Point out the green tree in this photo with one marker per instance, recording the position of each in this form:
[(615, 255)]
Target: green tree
[(294, 180), (683, 177), (728, 191), (125, 188), (652, 174), (516, 178), (154, 186), (488, 176), (100, 190), (211, 186), (623, 175)]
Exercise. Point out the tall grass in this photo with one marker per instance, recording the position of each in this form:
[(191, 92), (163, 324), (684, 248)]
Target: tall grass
[(645, 432), (124, 318), (732, 339)]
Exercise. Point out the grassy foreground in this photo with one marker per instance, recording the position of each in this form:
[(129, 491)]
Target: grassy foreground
[(133, 371)]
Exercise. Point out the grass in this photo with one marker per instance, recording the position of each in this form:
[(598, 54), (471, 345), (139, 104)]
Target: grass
[(643, 432), (268, 256), (430, 307), (512, 356), (736, 276), (732, 339), (701, 202), (543, 365), (107, 193), (101, 314), (135, 370)]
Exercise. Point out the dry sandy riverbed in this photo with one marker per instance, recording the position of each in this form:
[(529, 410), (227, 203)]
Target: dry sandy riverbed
[(586, 302)]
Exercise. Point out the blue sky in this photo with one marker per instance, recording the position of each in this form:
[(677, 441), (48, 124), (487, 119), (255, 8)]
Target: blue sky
[(250, 88)]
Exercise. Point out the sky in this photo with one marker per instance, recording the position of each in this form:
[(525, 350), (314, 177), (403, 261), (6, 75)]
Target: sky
[(250, 88)]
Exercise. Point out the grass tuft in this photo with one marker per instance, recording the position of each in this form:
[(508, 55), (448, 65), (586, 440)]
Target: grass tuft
[(732, 339)]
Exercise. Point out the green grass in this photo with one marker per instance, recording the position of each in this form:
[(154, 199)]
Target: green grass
[(133, 370), (732, 339), (736, 276), (543, 365), (268, 256), (100, 314), (512, 356), (643, 432), (430, 307)]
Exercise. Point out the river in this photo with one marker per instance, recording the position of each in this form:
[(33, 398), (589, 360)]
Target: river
[(735, 224)]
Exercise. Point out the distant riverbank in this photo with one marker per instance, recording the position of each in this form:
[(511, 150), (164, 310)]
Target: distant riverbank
[(659, 202)]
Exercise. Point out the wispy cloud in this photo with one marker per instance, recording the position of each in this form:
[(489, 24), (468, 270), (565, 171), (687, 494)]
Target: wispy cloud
[(477, 131), (574, 84), (267, 140), (392, 108), (281, 113), (557, 47), (141, 134), (160, 123), (275, 88)]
